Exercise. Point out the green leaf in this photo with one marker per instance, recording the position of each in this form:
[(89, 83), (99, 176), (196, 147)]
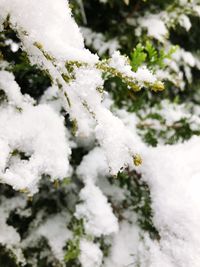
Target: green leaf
[(138, 57), (73, 250)]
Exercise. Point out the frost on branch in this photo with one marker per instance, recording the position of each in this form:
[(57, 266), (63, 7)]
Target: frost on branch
[(54, 230), (96, 212), (90, 218), (32, 139), (172, 173), (9, 237), (90, 254), (34, 142), (58, 34), (62, 55)]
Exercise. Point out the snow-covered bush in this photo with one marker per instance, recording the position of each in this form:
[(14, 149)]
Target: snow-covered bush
[(98, 163)]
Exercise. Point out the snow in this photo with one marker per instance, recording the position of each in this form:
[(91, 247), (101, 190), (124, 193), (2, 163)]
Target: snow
[(178, 67), (99, 42), (8, 234), (155, 26), (83, 101), (197, 9), (53, 229), (110, 132), (34, 142), (56, 232), (33, 137), (124, 246), (144, 75), (50, 24), (98, 166), (96, 212), (184, 21), (186, 56), (11, 88), (90, 254), (172, 173), (121, 63), (13, 45)]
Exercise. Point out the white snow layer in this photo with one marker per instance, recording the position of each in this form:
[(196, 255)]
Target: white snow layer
[(85, 106), (96, 212), (49, 23), (122, 65), (92, 117), (38, 132), (99, 42), (90, 254), (54, 229), (9, 237), (172, 173), (155, 26)]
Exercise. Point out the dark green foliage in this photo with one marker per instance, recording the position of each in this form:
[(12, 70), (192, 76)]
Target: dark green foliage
[(138, 200), (138, 57), (178, 131), (149, 55), (72, 247), (7, 258), (35, 252), (72, 251), (111, 20), (51, 200), (182, 131), (31, 79)]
